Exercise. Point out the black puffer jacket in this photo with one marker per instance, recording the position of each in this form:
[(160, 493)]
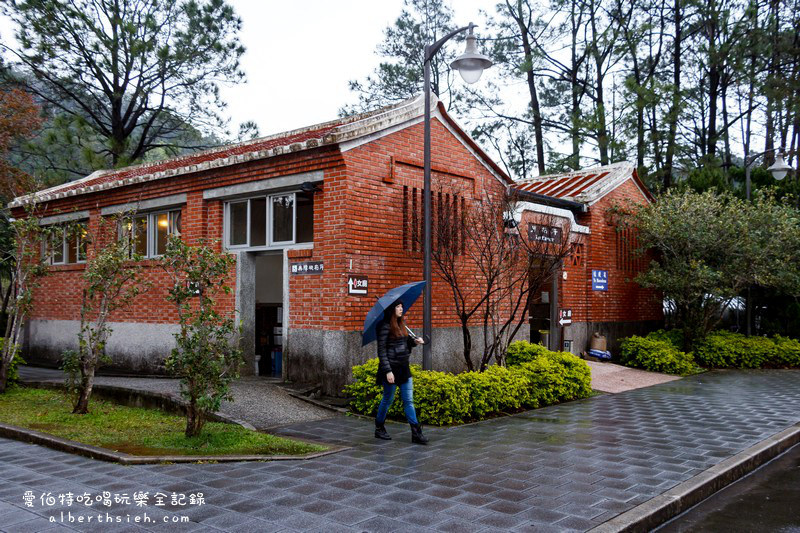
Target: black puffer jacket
[(393, 354)]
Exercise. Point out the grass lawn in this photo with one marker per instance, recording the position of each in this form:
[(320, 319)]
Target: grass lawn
[(136, 430)]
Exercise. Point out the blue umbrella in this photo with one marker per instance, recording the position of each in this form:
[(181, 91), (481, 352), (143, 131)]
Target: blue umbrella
[(407, 294)]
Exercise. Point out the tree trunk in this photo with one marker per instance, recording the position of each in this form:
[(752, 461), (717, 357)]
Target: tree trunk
[(672, 116), (575, 112), (714, 76), (194, 419), (4, 367), (534, 96), (87, 382), (467, 337)]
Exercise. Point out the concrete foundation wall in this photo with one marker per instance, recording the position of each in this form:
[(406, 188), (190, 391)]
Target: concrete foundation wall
[(327, 357), (581, 333), (134, 347)]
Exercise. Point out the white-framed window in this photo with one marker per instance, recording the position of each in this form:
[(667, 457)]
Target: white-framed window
[(66, 244), (147, 234), (269, 221)]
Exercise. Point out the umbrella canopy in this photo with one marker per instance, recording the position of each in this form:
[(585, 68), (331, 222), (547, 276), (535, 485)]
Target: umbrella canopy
[(407, 294)]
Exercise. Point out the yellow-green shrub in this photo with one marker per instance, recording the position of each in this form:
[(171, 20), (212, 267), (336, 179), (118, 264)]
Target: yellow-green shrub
[(724, 349), (656, 355), (523, 351), (443, 398)]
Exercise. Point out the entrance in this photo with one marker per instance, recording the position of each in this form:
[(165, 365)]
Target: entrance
[(269, 317), (542, 313)]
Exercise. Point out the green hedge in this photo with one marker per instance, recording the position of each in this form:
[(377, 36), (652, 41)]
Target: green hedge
[(659, 352), (521, 352), (442, 398), (655, 354), (723, 349)]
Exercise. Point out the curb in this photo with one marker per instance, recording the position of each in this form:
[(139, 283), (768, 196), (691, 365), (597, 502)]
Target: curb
[(683, 496), (104, 454)]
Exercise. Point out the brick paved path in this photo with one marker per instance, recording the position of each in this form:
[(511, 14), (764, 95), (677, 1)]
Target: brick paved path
[(571, 466)]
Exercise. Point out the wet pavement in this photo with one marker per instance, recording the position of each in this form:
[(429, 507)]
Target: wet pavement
[(257, 401), (766, 500), (566, 467)]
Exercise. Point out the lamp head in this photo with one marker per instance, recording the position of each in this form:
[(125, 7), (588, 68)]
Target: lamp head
[(471, 64), (779, 169)]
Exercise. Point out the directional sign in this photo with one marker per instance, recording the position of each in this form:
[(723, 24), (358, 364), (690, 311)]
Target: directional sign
[(599, 280), (564, 317), (357, 285)]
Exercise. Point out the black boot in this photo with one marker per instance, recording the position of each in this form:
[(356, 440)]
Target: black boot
[(416, 435), (380, 432)]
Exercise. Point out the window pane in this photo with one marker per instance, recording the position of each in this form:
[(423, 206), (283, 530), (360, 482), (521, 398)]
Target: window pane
[(82, 232), (72, 245), (305, 218), (161, 231), (175, 223), (58, 245), (126, 234), (140, 236), (237, 225), (258, 222), (282, 217)]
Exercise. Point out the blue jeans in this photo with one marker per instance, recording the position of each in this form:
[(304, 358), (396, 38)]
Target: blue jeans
[(406, 394)]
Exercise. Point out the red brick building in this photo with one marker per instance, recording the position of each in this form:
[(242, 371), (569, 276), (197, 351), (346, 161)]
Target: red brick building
[(594, 291), (322, 221)]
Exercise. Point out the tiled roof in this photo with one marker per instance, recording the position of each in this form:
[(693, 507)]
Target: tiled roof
[(585, 186), (328, 133)]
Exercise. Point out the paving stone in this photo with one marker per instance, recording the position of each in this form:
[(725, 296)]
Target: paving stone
[(567, 467)]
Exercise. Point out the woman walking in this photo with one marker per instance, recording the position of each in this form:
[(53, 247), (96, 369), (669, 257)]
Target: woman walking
[(394, 350)]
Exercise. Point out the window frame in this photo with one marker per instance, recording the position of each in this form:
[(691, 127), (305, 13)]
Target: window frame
[(270, 243), (48, 248), (151, 237)]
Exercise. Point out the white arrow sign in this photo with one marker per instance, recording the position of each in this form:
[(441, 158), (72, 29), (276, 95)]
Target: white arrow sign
[(563, 321), (357, 285)]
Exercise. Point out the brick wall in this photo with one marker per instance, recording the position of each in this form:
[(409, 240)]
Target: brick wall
[(363, 222), (625, 300), (59, 295)]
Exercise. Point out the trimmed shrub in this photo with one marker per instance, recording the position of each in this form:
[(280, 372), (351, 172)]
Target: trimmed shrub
[(556, 377), (522, 352), (788, 352), (672, 336), (723, 349), (442, 398), (656, 355)]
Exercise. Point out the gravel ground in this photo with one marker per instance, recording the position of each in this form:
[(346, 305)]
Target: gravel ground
[(256, 401)]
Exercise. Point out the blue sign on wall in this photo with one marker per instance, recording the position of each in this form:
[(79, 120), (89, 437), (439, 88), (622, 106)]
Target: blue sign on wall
[(599, 280)]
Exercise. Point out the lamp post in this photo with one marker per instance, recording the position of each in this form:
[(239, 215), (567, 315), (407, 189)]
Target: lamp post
[(470, 65), (779, 169)]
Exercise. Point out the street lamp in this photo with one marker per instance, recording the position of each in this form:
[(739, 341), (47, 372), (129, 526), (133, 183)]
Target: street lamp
[(779, 169), (470, 65)]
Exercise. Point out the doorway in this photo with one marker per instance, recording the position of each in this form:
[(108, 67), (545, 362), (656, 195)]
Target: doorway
[(269, 315), (543, 312)]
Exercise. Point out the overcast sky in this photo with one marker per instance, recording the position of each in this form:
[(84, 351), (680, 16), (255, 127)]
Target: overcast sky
[(300, 56)]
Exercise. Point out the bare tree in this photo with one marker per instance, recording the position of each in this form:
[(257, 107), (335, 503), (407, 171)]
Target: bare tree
[(490, 268)]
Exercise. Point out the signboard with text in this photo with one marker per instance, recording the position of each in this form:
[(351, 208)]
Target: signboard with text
[(306, 267), (551, 234), (357, 285), (599, 280), (564, 317)]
